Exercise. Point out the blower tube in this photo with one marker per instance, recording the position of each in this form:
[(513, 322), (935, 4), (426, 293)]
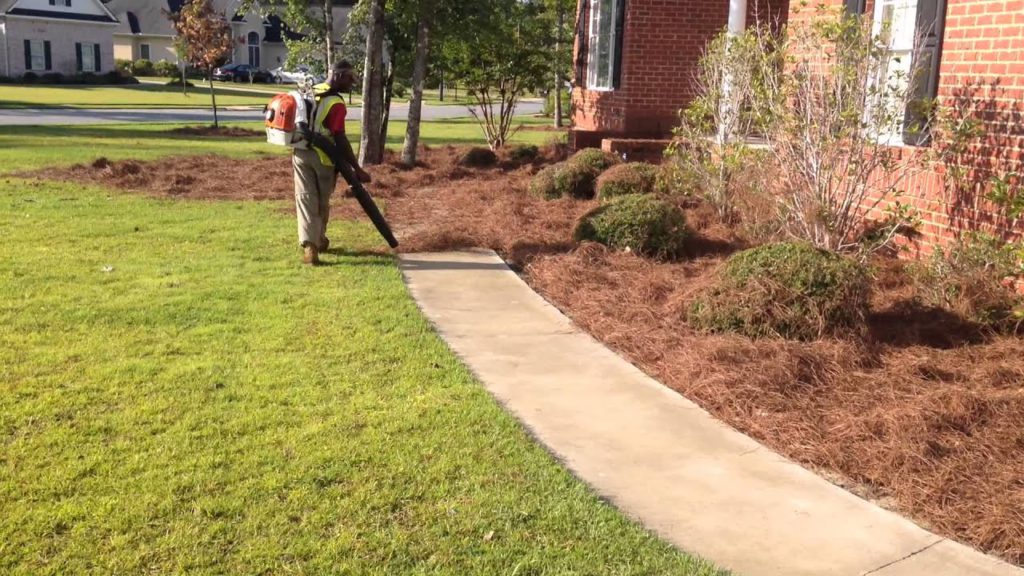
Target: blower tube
[(349, 174)]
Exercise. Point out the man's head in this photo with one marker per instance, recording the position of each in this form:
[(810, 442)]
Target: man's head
[(341, 77)]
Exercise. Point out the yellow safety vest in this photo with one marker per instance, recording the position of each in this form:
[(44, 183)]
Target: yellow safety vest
[(323, 107)]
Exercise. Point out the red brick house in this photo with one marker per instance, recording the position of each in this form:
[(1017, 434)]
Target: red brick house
[(635, 61)]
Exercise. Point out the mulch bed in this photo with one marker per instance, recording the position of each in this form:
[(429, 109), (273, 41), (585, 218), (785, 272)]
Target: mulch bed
[(925, 415)]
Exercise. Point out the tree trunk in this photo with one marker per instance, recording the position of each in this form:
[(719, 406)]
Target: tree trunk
[(373, 88), (213, 98), (558, 68), (440, 95), (184, 85), (419, 73), (329, 32), (389, 87)]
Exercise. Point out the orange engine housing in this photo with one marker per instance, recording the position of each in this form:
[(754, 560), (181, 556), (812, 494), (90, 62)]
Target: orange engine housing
[(281, 113)]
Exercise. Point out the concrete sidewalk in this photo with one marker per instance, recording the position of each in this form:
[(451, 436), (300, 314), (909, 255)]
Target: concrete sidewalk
[(658, 457)]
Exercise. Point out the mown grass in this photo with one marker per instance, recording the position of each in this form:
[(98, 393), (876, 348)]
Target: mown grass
[(179, 395), (131, 96), (36, 147)]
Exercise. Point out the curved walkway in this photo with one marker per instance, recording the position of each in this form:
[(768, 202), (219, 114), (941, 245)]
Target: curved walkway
[(658, 457)]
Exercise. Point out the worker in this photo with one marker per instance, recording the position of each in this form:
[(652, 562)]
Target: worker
[(315, 176)]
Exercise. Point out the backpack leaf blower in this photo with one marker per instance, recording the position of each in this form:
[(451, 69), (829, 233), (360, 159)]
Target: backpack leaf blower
[(287, 123)]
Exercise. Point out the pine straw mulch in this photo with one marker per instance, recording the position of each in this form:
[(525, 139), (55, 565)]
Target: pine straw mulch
[(218, 132), (925, 416)]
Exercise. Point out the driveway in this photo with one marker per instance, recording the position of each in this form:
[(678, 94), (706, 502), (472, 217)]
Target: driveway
[(59, 116)]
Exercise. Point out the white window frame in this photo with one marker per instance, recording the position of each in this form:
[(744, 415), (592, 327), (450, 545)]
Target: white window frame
[(595, 80), (899, 23), (37, 50), (88, 56)]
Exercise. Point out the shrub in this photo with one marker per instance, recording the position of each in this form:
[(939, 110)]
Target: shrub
[(787, 289), (575, 180), (166, 69), (523, 153), (977, 278), (89, 78), (29, 78), (631, 178), (478, 157), (543, 183), (641, 223), (6, 79), (51, 78), (143, 67), (177, 82), (123, 66), (399, 90), (595, 159), (549, 104)]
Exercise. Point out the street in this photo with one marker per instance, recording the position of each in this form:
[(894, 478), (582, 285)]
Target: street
[(63, 116)]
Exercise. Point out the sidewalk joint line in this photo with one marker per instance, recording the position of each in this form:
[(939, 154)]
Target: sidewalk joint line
[(898, 560)]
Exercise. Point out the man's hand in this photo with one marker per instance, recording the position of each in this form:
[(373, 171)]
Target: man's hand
[(363, 175)]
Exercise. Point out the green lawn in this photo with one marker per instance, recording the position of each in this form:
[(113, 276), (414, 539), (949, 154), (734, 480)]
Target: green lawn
[(33, 147), (179, 395), (133, 96)]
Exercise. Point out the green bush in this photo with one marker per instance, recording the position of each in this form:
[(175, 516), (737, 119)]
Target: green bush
[(123, 66), (575, 180), (631, 178), (6, 80), (29, 78), (51, 78), (976, 279), (478, 157), (399, 90), (594, 159), (542, 184), (143, 67), (166, 69), (641, 223), (787, 289), (523, 153)]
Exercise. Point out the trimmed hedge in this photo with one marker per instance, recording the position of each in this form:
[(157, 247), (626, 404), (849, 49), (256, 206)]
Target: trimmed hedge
[(596, 159), (478, 157), (623, 179), (787, 289), (642, 223)]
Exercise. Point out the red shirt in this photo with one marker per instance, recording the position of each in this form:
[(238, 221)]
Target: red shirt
[(335, 121)]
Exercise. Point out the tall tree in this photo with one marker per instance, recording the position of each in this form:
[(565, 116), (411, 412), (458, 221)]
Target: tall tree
[(205, 35), (316, 45), (329, 32), (370, 141), (419, 74)]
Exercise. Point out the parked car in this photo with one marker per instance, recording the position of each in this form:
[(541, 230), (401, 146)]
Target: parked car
[(241, 73), (301, 74)]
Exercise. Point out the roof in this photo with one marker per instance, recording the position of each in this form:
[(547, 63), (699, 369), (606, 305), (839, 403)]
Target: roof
[(99, 12), (144, 16)]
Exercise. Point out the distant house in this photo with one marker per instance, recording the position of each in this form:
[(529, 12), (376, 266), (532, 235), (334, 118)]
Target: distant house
[(62, 36), (145, 31)]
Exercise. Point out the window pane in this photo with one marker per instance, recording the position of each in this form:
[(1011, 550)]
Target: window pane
[(144, 51), (38, 55), (87, 58)]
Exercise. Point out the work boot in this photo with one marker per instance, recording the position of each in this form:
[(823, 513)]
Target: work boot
[(325, 244), (310, 255)]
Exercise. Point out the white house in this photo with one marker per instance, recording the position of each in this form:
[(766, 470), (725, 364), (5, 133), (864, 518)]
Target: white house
[(65, 36), (145, 32)]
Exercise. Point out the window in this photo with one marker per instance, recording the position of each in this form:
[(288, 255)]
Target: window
[(253, 41), (900, 25), (605, 44), (144, 51), (87, 57), (60, 3), (37, 54)]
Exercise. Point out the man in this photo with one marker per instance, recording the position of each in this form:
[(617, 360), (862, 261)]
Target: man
[(315, 176)]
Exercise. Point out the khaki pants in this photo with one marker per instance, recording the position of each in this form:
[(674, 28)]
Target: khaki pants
[(314, 184)]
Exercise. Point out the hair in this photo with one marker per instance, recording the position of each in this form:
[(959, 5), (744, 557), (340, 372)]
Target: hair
[(342, 65)]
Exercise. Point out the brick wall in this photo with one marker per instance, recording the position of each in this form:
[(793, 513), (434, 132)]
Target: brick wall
[(662, 42), (981, 72)]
